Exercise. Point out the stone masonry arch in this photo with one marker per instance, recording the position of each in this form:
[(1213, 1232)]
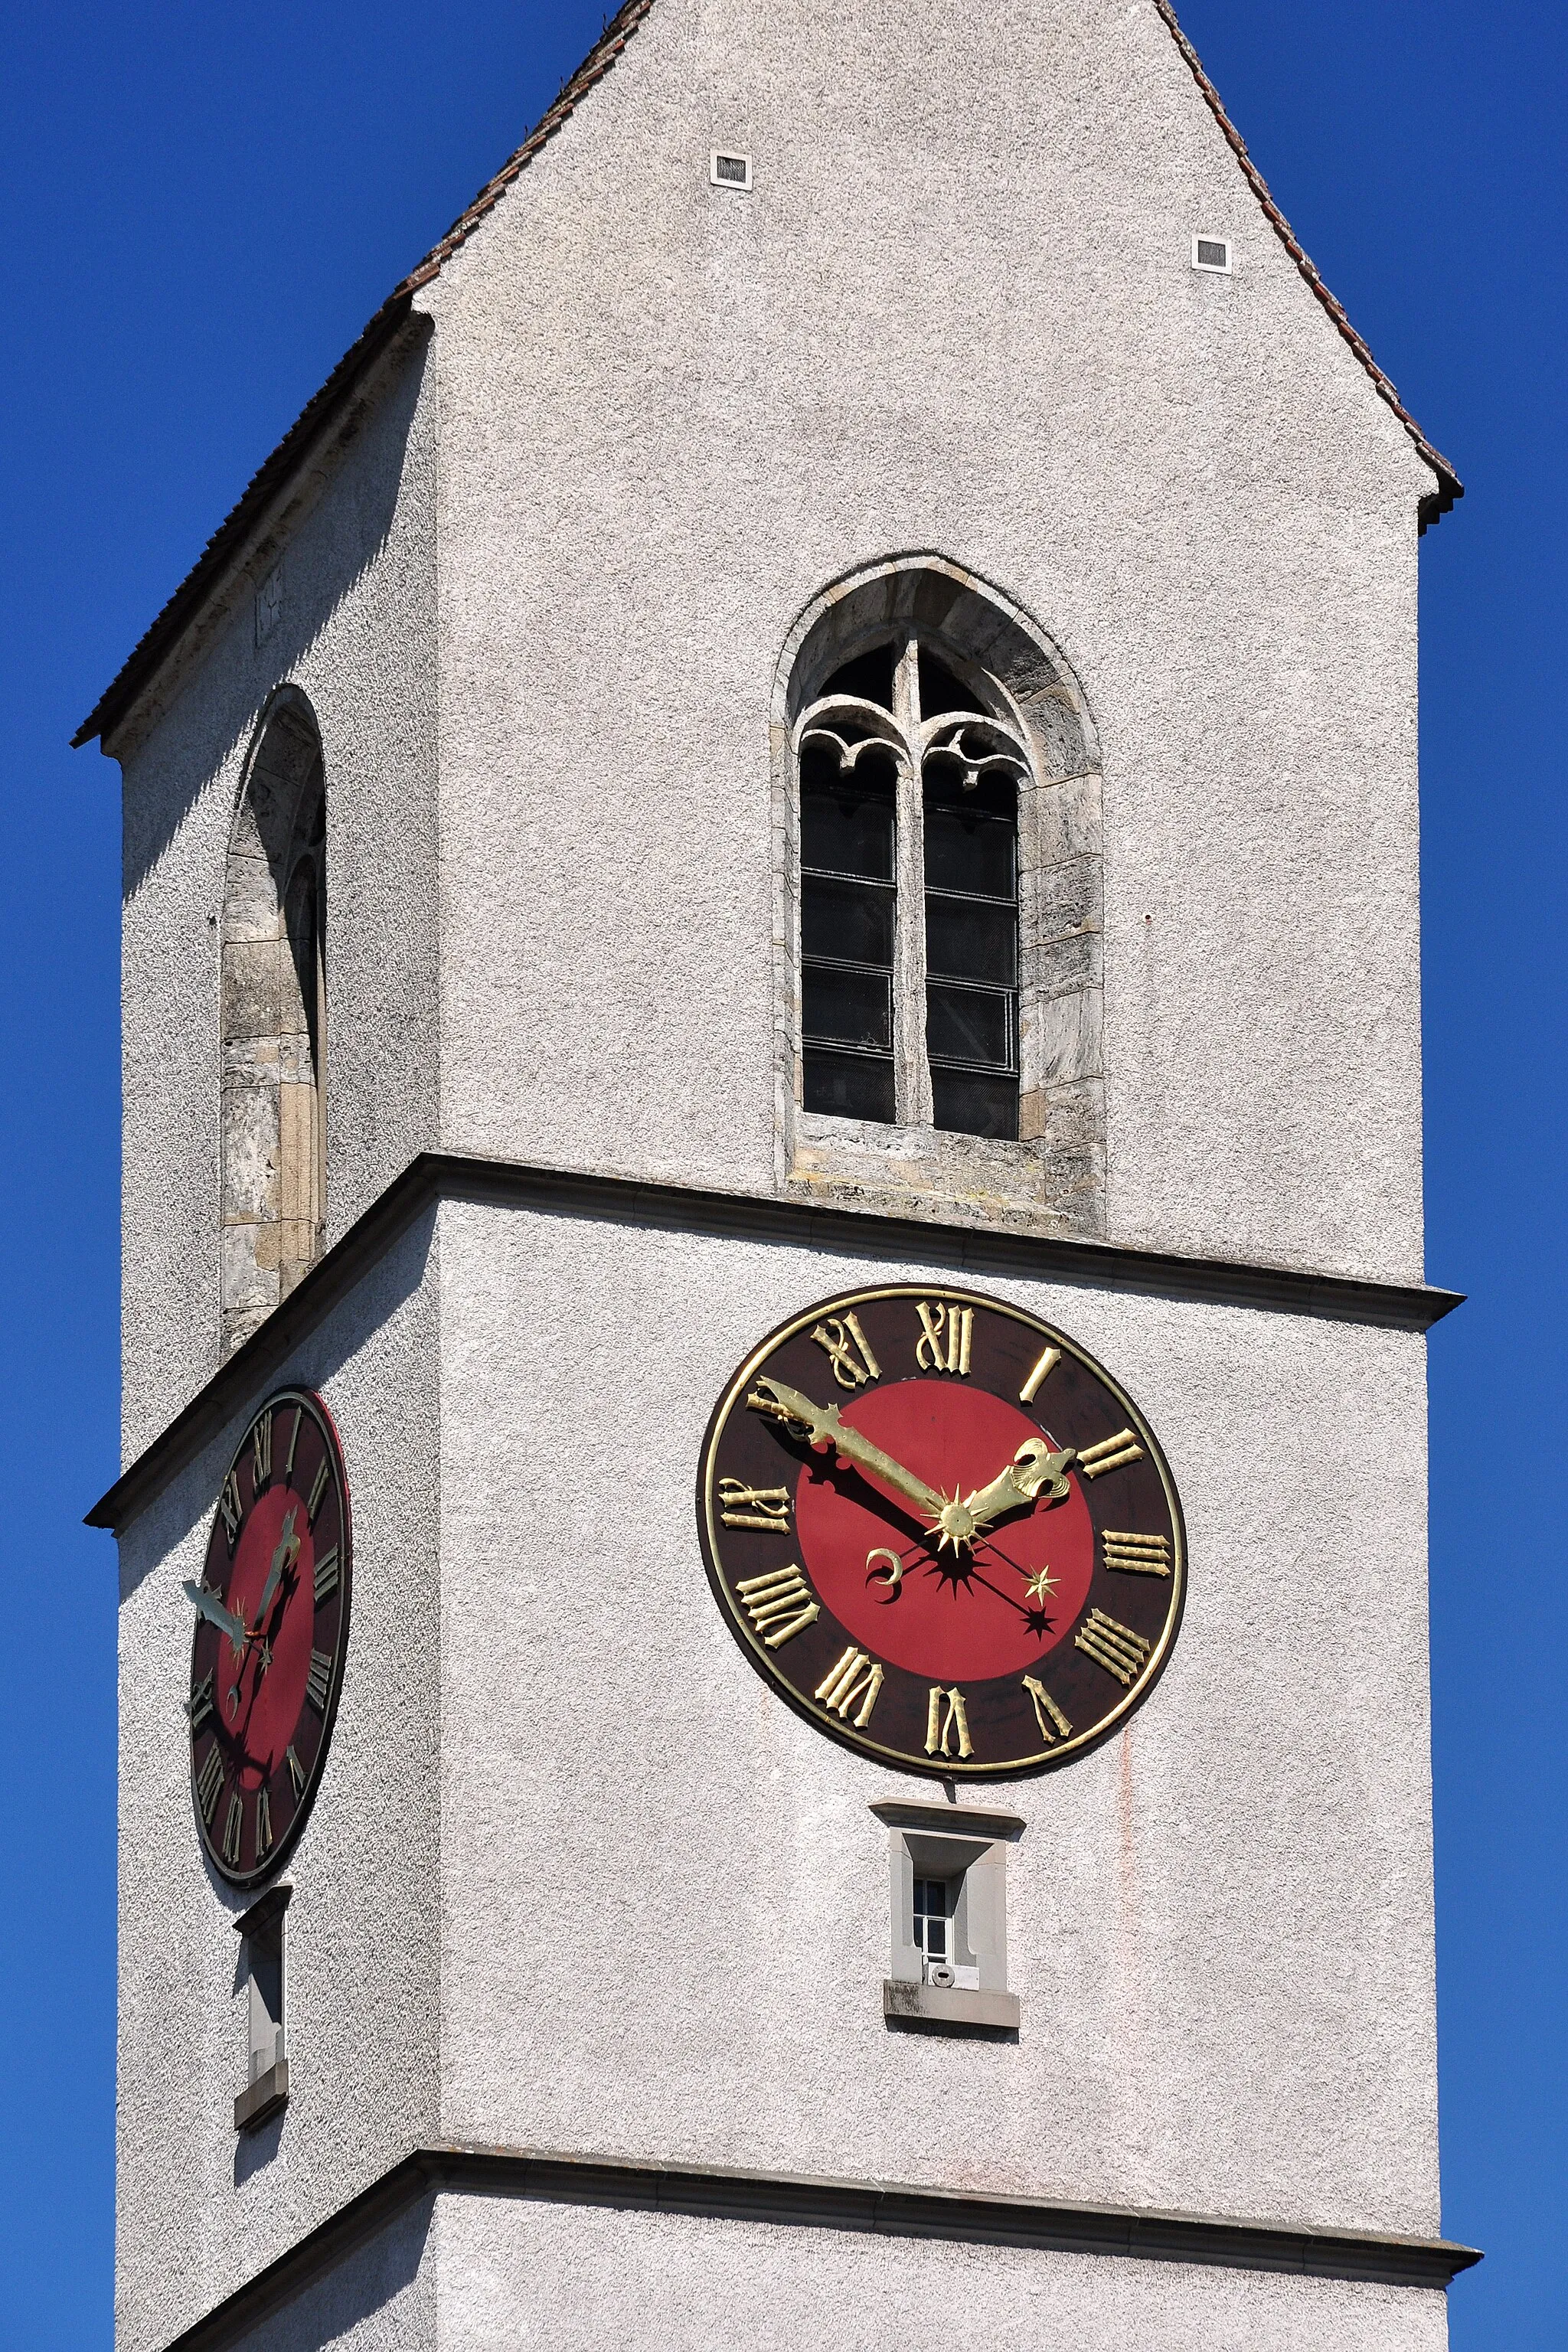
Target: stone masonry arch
[(272, 992)]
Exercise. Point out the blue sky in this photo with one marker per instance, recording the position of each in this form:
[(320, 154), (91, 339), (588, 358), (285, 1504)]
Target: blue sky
[(202, 206)]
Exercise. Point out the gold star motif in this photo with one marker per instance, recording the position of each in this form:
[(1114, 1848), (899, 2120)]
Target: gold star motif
[(1041, 1586)]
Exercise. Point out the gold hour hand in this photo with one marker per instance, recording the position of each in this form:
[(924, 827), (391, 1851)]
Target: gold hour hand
[(1034, 1470), (823, 1427)]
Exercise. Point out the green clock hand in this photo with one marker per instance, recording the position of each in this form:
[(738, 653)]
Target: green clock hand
[(212, 1609), (287, 1553)]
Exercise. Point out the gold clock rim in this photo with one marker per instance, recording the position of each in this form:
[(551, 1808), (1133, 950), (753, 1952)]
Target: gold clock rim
[(947, 1768)]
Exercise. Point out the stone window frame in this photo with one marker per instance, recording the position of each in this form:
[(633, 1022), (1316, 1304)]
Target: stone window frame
[(263, 1974), (967, 1850), (1054, 1176), (272, 1045)]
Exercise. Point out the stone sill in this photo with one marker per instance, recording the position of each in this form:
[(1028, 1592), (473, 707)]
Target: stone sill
[(948, 2008), (264, 2098)]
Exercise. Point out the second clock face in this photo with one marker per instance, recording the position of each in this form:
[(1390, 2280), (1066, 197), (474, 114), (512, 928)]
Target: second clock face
[(943, 1531), (272, 1621)]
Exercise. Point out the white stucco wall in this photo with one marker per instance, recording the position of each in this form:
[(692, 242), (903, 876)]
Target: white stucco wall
[(198, 2212), (957, 313), (664, 1898), (357, 635), (579, 2279)]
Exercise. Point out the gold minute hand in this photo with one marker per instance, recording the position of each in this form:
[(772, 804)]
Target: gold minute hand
[(822, 1424)]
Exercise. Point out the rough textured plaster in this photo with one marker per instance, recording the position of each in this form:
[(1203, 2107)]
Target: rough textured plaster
[(579, 2280), (356, 635), (199, 2212), (381, 2298), (656, 1877), (649, 469)]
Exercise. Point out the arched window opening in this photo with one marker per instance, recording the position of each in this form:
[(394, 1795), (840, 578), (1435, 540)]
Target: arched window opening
[(909, 777), (273, 989)]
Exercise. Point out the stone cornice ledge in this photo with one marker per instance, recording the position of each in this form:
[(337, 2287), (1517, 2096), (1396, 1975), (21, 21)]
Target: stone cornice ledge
[(880, 2208), (442, 1175)]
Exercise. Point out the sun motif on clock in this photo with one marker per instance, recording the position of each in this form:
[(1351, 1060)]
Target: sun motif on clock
[(272, 1623), (943, 1530)]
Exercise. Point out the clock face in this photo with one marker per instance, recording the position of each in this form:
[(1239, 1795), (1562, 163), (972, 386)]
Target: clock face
[(272, 1623), (943, 1530)]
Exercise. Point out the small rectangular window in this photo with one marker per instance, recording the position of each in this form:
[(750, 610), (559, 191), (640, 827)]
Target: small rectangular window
[(947, 1881), (728, 170), (1211, 253), (849, 1085), (261, 1964), (853, 920), (849, 1008), (965, 1103)]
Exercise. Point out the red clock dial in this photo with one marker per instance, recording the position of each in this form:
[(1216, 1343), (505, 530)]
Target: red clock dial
[(943, 1530), (272, 1621)]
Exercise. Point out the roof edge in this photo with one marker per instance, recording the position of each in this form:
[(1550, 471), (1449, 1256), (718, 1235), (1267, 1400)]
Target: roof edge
[(1450, 489), (148, 654)]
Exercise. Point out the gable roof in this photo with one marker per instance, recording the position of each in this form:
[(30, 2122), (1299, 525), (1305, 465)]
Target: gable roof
[(329, 403), (1449, 486)]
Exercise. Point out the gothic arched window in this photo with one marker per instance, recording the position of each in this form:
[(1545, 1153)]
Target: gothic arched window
[(938, 906), (273, 996), (910, 774)]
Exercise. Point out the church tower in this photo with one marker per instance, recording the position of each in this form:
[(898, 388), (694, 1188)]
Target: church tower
[(773, 1664)]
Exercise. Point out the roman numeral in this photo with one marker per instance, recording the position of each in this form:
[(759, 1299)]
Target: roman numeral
[(261, 1451), (326, 1574), (319, 1681), (854, 1677), (1116, 1647), (945, 1334), (263, 1822), (1137, 1555), (1045, 1707), (229, 1503), (945, 1717), (209, 1780), (293, 1441), (317, 1488), (849, 1350), (1031, 1387), (782, 1600), (754, 1507), (1109, 1453), (199, 1704), (296, 1772), (232, 1830)]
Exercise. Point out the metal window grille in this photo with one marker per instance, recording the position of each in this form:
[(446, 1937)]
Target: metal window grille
[(932, 1923)]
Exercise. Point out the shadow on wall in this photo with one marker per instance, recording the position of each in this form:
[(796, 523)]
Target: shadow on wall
[(159, 1533), (377, 2274), (214, 708)]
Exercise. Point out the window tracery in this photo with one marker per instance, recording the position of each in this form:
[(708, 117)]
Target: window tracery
[(910, 782)]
